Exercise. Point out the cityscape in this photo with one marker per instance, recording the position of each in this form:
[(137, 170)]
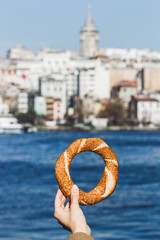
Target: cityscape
[(92, 88), (79, 96)]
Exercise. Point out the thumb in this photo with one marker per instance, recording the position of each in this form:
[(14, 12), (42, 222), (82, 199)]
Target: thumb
[(74, 195)]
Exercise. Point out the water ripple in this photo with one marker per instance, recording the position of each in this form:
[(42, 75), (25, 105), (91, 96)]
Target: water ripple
[(28, 185)]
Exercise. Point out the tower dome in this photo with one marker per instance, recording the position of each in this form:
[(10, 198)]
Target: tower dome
[(89, 37)]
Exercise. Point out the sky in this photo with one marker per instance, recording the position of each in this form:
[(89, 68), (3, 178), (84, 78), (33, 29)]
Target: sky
[(35, 24)]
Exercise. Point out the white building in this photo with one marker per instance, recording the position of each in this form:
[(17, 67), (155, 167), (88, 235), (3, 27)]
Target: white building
[(22, 102), (23, 73), (4, 108), (54, 86), (155, 95), (11, 90), (55, 61), (114, 53), (125, 90), (28, 73), (71, 80), (133, 54), (100, 123), (145, 110), (20, 53), (40, 105), (9, 75), (94, 80)]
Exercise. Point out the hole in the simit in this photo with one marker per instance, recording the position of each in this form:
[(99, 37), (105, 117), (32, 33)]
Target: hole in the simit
[(86, 170)]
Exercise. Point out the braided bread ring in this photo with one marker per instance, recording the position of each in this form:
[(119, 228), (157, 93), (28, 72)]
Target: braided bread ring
[(109, 178)]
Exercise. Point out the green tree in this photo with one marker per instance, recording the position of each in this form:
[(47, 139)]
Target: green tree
[(115, 111), (28, 117)]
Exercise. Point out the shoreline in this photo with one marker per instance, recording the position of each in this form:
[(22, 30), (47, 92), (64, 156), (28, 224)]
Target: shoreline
[(110, 128)]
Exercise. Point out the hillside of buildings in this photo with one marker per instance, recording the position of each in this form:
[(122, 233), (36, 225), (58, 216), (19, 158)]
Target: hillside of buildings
[(92, 87)]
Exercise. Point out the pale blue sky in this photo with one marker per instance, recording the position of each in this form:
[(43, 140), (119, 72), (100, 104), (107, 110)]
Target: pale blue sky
[(57, 23)]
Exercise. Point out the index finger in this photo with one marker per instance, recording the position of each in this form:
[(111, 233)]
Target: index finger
[(58, 199)]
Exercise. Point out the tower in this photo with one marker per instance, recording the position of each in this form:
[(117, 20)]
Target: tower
[(89, 37)]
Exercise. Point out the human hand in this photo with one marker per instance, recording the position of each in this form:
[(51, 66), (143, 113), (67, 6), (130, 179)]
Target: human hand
[(71, 216)]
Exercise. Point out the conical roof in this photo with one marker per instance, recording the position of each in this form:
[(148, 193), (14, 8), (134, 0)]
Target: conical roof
[(89, 25)]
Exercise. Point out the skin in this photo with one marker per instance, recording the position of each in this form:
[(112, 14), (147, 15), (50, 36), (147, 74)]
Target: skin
[(70, 216)]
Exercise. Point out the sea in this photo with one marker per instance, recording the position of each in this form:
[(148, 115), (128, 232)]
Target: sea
[(28, 185)]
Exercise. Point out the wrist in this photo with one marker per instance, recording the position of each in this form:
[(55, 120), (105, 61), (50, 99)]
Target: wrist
[(86, 230)]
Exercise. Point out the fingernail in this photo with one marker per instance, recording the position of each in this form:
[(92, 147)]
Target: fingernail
[(75, 188)]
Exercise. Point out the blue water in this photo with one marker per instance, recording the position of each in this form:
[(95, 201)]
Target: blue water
[(28, 185)]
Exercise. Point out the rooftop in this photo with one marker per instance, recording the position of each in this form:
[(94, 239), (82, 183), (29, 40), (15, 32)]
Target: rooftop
[(146, 99), (126, 83)]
